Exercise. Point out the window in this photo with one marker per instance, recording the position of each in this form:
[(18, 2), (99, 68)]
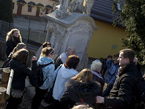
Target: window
[(29, 8)]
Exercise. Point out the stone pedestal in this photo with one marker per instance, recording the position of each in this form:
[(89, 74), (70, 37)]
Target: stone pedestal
[(74, 30)]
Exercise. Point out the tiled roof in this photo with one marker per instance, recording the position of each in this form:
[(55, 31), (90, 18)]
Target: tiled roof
[(102, 10)]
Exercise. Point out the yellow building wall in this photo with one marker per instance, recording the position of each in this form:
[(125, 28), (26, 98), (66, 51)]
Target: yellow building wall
[(33, 13), (106, 40)]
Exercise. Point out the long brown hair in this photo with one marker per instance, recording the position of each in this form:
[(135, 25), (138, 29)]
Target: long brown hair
[(84, 76), (10, 35), (21, 56), (18, 47)]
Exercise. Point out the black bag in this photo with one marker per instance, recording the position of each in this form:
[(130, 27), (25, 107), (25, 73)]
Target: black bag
[(140, 93), (38, 79)]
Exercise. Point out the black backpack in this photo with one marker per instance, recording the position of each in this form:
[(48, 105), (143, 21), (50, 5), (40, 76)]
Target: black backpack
[(37, 80), (139, 91)]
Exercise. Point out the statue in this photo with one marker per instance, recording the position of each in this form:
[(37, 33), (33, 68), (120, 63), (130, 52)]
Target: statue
[(77, 6), (62, 12), (88, 6)]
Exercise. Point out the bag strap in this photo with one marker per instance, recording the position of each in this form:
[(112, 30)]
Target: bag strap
[(57, 71), (44, 65)]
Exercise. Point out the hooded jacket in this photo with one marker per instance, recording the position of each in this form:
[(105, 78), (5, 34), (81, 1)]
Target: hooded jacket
[(63, 75), (122, 93), (80, 92), (20, 73)]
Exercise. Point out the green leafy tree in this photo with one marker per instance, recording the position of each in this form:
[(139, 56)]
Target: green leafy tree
[(6, 10), (131, 14)]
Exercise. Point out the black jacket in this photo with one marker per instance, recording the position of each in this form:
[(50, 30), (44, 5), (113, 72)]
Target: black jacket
[(20, 73), (122, 93), (78, 92), (11, 43), (57, 62)]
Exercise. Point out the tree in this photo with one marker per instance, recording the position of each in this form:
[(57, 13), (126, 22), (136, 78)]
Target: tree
[(131, 14), (6, 10)]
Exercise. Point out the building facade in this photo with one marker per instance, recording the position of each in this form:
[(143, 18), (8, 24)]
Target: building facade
[(107, 39), (33, 7)]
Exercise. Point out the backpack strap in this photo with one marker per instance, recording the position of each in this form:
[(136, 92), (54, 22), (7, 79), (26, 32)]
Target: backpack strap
[(44, 65)]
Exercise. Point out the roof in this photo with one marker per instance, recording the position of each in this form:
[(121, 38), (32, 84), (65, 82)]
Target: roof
[(102, 10), (31, 3)]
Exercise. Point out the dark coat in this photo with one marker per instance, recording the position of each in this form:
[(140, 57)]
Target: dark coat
[(11, 44), (57, 62), (100, 80), (79, 92), (20, 73), (122, 93)]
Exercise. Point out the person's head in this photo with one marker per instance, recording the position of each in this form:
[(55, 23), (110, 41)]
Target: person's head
[(71, 51), (82, 106), (48, 52), (126, 56), (72, 62), (84, 76), (46, 44), (109, 57), (21, 56), (13, 33), (96, 65), (116, 58), (19, 46)]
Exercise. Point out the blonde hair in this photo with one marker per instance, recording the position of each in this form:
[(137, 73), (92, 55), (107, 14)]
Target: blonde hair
[(46, 51), (84, 76), (96, 65), (10, 34), (82, 106)]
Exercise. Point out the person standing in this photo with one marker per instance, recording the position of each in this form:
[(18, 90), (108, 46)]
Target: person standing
[(66, 72), (122, 94), (45, 44), (112, 72), (63, 57), (96, 67), (12, 39), (20, 70), (47, 56), (80, 89)]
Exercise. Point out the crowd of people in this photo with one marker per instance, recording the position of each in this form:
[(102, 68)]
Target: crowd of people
[(105, 82)]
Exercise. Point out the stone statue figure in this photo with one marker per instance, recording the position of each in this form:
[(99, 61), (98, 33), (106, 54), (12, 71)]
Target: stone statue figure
[(77, 6), (88, 6), (62, 12)]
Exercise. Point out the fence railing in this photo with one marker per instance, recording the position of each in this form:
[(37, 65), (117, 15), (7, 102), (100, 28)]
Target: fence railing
[(5, 27), (35, 37)]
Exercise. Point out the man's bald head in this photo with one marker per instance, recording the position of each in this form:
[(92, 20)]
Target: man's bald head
[(70, 50)]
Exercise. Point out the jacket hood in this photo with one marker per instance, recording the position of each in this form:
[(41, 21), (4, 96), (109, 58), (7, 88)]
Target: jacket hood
[(82, 88), (67, 71), (82, 92)]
